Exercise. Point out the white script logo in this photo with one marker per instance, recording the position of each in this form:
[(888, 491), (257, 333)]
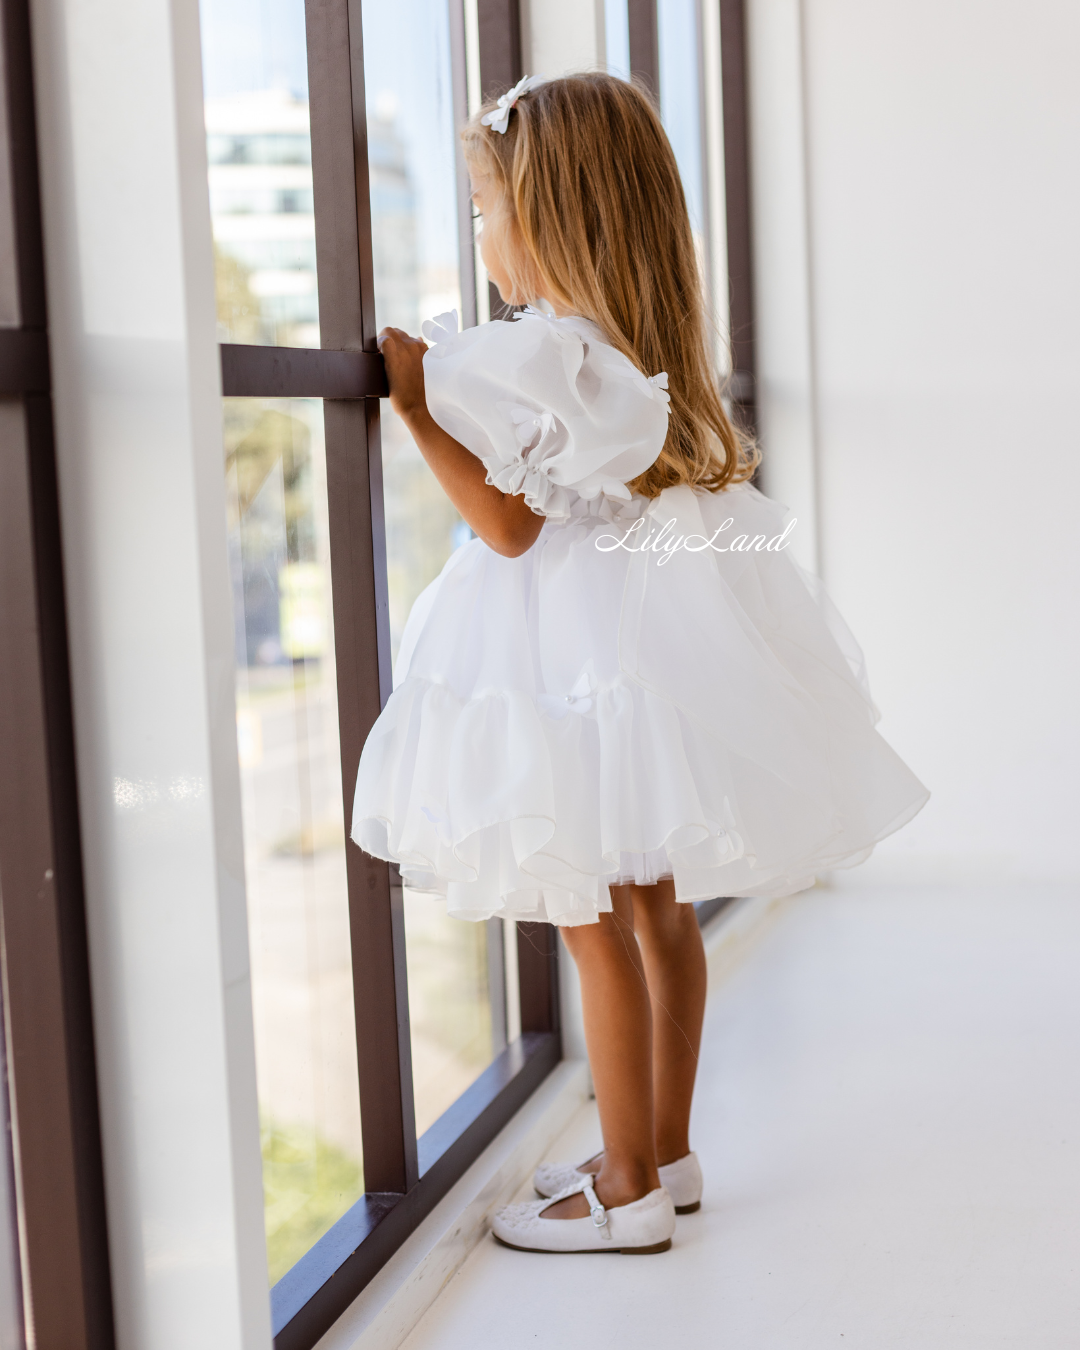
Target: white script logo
[(667, 542)]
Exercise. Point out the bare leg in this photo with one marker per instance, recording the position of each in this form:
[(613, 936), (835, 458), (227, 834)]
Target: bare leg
[(669, 941), (674, 957), (618, 1031)]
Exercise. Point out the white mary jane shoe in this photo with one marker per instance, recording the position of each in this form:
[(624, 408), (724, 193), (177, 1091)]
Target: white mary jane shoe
[(682, 1180), (640, 1228)]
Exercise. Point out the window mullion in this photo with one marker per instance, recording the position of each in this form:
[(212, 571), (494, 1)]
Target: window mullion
[(358, 575), (644, 44), (499, 22), (538, 977)]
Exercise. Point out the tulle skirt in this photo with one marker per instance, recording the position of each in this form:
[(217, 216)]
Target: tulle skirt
[(667, 694)]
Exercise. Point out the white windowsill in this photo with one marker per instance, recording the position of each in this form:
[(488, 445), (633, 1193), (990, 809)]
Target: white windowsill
[(392, 1304), (412, 1279)]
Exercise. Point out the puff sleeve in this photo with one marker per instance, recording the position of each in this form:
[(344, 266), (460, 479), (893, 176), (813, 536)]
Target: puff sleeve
[(552, 410)]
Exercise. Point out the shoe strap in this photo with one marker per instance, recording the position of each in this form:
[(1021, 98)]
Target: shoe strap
[(596, 1209)]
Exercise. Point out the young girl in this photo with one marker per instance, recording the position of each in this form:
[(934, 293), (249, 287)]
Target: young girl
[(623, 695)]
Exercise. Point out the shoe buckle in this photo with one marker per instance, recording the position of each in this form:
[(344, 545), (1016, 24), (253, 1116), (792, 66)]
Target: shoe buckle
[(596, 1209)]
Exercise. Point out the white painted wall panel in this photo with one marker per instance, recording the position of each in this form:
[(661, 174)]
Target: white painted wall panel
[(137, 401)]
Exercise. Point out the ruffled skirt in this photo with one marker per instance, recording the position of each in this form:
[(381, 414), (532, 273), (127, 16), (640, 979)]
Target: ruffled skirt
[(598, 711)]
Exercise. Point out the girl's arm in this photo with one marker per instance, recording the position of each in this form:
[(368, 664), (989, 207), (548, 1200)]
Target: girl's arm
[(503, 522)]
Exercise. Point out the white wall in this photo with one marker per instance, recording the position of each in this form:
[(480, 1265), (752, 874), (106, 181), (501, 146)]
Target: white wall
[(942, 214), (138, 419)]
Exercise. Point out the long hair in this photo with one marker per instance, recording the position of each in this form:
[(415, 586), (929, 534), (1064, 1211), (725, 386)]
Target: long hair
[(586, 181)]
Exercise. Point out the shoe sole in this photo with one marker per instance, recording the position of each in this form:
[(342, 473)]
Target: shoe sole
[(589, 1251), (679, 1209)]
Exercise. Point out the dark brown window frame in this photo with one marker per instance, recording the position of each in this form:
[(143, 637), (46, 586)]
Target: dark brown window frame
[(742, 385), (644, 34)]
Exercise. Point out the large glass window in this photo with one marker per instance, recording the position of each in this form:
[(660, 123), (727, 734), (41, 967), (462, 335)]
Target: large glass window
[(691, 107), (374, 1023), (680, 99), (310, 906), (330, 542), (294, 829), (259, 153), (456, 1023)]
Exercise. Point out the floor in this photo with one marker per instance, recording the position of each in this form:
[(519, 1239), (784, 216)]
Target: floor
[(888, 1117)]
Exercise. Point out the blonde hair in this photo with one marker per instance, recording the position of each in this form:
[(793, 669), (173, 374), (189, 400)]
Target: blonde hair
[(585, 180)]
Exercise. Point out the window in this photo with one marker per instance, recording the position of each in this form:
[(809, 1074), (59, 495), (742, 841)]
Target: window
[(388, 1053), (391, 1042)]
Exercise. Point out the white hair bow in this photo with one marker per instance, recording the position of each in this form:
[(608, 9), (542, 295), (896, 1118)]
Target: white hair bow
[(498, 119)]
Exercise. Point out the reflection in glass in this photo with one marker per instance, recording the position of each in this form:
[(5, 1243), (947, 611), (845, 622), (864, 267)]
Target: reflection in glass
[(411, 149), (259, 152), (294, 832), (412, 144), (692, 112), (617, 38)]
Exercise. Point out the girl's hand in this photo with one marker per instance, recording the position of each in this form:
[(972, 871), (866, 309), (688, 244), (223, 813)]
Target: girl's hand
[(404, 359)]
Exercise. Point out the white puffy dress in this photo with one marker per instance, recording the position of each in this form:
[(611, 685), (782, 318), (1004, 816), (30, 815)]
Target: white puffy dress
[(613, 706)]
